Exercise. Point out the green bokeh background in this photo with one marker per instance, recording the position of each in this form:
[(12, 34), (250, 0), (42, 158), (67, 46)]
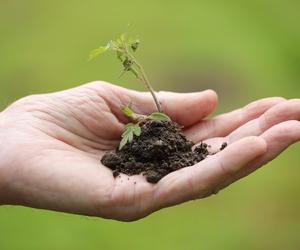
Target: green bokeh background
[(244, 50)]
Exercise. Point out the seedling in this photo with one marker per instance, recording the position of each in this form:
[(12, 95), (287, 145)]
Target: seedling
[(151, 144), (125, 48)]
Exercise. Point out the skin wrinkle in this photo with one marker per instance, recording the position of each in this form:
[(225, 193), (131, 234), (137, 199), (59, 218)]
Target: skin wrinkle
[(242, 118), (86, 137), (193, 101), (159, 191), (101, 205), (253, 109), (88, 141), (110, 102), (227, 176), (292, 135), (208, 126), (141, 203), (100, 105), (134, 198), (112, 194), (88, 148), (24, 186), (90, 134), (132, 194), (262, 123), (145, 103), (209, 189), (149, 205), (132, 202), (122, 99), (47, 188), (127, 206), (30, 200), (191, 183), (136, 205), (220, 165), (91, 92), (65, 132), (123, 207), (268, 119)]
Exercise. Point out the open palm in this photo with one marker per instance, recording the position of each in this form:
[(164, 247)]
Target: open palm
[(51, 146)]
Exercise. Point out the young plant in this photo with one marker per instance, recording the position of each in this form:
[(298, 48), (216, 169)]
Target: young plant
[(125, 48), (132, 129)]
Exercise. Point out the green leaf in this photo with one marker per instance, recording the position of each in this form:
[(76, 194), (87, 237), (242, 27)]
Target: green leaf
[(137, 130), (120, 55), (96, 52), (135, 45), (112, 45), (129, 125), (159, 116), (123, 142), (126, 132), (127, 63), (128, 112), (131, 129), (130, 136)]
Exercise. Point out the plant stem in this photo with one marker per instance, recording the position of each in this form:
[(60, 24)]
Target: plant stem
[(143, 78)]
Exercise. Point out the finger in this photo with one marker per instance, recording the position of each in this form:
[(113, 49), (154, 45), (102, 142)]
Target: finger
[(284, 111), (278, 138), (205, 177), (183, 108), (188, 109), (224, 124)]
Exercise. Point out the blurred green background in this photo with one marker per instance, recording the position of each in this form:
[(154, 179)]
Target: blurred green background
[(244, 50)]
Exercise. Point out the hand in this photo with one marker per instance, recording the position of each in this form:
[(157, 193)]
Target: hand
[(51, 146)]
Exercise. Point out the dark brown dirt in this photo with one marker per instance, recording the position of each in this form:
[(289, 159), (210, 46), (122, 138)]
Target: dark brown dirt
[(159, 150)]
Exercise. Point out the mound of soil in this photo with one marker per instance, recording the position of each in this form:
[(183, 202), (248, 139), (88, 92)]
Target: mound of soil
[(160, 149)]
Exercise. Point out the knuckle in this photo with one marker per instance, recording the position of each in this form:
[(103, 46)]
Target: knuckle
[(98, 84), (27, 102), (286, 127)]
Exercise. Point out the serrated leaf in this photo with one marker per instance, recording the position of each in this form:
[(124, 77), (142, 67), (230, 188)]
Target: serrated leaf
[(130, 136), (126, 132), (129, 125), (123, 142), (96, 52), (137, 130), (159, 116), (134, 128), (127, 136)]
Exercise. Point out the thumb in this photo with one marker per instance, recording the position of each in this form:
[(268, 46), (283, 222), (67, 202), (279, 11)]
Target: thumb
[(184, 108), (188, 108)]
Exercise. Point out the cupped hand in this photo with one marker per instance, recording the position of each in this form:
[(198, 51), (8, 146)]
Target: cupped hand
[(51, 146)]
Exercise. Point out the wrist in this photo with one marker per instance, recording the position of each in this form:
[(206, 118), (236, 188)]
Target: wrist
[(4, 194)]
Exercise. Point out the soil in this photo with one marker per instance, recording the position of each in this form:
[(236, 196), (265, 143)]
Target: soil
[(159, 150)]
